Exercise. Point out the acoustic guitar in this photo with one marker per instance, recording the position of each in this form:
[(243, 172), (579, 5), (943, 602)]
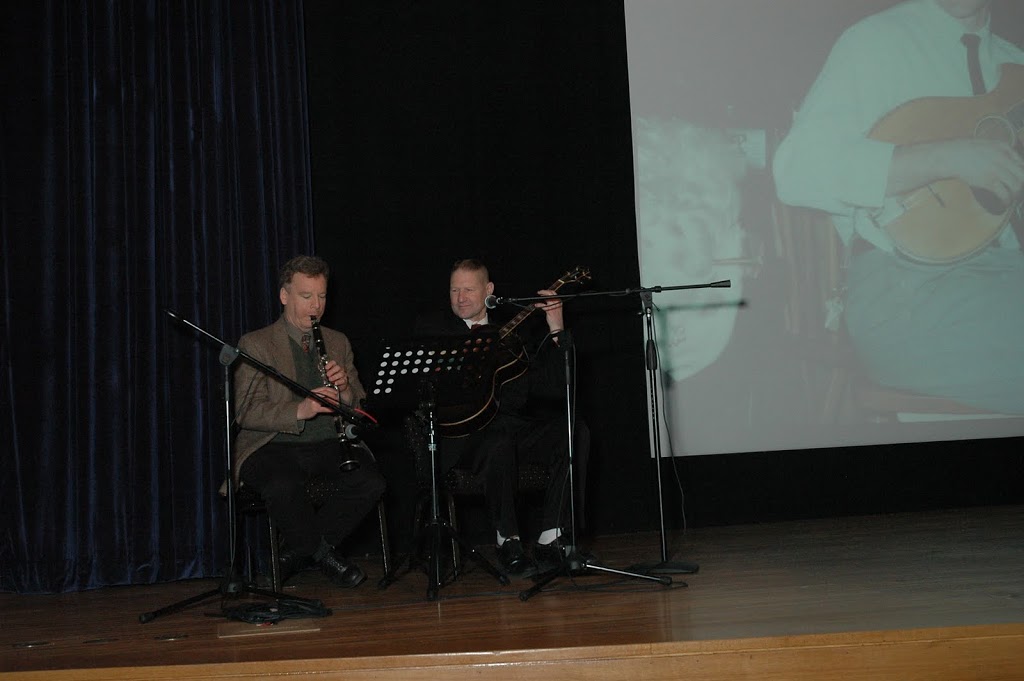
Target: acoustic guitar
[(947, 220), (497, 358)]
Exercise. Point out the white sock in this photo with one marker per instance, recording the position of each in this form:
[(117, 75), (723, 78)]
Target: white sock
[(548, 536)]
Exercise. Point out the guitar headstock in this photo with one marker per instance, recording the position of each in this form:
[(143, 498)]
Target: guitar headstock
[(576, 275)]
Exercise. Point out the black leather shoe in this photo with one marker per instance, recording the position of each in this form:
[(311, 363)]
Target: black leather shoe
[(549, 556), (345, 575), (290, 564), (512, 558)]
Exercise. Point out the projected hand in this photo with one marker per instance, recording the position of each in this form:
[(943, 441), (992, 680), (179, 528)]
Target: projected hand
[(991, 165), (988, 164)]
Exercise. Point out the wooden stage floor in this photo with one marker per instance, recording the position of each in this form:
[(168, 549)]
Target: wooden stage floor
[(933, 595)]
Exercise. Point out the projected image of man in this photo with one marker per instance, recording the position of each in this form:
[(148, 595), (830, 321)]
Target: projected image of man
[(921, 317)]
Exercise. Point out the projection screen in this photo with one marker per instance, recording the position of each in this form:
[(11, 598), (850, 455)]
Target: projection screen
[(768, 363)]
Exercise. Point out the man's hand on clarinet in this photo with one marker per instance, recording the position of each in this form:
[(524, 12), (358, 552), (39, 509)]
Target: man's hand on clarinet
[(337, 375), (308, 407)]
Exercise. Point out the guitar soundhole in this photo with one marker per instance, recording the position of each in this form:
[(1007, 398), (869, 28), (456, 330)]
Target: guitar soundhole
[(989, 201)]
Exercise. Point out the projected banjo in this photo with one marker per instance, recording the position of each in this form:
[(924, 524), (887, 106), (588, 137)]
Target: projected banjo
[(947, 221)]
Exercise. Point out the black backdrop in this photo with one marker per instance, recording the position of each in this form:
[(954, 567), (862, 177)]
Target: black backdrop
[(441, 132), (459, 131)]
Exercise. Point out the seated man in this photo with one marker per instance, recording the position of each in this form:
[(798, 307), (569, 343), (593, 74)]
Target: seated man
[(925, 311), (528, 426), (286, 440)]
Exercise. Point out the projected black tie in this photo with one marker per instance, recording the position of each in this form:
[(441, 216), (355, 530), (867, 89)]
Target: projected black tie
[(971, 42)]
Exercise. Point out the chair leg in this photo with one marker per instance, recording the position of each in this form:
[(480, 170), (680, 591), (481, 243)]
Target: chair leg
[(275, 556), (242, 530), (453, 523), (385, 545)]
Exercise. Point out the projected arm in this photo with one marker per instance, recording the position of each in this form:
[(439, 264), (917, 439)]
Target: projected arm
[(827, 160), (987, 164)]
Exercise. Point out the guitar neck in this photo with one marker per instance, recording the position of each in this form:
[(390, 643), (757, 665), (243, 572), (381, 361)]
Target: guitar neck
[(511, 325), (577, 274)]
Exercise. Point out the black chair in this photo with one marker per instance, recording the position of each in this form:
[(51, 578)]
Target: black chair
[(248, 502)]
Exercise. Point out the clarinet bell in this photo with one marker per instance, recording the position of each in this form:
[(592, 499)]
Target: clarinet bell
[(349, 457)]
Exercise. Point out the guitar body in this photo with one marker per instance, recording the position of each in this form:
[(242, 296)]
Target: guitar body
[(471, 403), (947, 221), (482, 363)]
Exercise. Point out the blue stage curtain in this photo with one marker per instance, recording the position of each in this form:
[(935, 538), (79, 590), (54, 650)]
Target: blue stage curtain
[(155, 156)]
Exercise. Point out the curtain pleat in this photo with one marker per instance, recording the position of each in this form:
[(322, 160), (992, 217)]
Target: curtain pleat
[(155, 157)]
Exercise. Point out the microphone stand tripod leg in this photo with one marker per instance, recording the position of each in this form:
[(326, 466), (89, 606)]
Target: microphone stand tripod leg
[(574, 565)]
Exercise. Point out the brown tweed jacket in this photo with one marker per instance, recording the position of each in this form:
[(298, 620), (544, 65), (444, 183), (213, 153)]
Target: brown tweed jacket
[(264, 406)]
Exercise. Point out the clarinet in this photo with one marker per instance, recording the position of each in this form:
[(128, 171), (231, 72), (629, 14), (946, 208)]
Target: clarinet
[(349, 462)]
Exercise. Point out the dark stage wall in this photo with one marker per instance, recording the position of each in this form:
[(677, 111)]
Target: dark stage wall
[(442, 131)]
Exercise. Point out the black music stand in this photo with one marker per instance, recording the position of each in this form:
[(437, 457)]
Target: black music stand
[(232, 585), (419, 373)]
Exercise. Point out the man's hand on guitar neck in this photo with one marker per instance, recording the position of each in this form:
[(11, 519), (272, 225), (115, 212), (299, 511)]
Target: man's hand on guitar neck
[(552, 308), (981, 163)]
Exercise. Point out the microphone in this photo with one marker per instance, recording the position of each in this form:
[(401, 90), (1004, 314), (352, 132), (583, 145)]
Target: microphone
[(491, 302)]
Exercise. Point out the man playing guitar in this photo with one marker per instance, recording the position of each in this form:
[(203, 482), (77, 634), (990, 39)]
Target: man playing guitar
[(528, 422), (894, 143)]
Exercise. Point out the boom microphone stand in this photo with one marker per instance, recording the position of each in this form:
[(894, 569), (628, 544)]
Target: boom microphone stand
[(574, 563), (651, 361), (232, 585), (664, 567)]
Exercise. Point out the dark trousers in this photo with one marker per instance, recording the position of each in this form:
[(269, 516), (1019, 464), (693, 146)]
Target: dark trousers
[(497, 451), (282, 475)]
